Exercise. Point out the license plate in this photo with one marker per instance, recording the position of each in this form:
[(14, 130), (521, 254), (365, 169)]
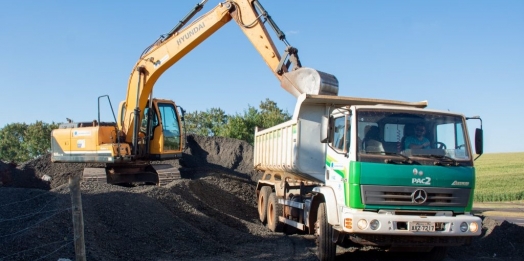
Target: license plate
[(422, 226)]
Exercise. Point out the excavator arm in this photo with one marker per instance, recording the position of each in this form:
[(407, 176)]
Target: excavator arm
[(250, 16)]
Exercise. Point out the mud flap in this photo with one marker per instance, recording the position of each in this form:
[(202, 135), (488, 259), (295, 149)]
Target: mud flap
[(166, 173)]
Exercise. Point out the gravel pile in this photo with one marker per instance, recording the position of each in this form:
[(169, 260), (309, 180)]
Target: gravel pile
[(210, 214)]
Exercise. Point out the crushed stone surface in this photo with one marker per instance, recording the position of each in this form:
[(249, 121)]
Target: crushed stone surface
[(209, 214)]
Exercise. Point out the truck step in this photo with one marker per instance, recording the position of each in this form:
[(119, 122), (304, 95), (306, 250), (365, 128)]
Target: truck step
[(291, 203), (292, 223)]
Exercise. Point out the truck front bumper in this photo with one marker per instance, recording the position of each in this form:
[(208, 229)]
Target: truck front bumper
[(362, 222)]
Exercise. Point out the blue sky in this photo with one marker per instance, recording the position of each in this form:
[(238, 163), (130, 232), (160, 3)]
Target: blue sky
[(462, 56)]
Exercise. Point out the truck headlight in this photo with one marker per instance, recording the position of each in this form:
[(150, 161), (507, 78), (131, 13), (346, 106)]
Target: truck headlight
[(374, 224), (463, 226), (473, 227), (362, 224)]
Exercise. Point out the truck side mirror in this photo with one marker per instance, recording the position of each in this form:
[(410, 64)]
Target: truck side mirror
[(479, 141), (324, 130)]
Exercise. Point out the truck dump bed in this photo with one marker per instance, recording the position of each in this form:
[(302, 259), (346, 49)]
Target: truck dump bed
[(290, 147)]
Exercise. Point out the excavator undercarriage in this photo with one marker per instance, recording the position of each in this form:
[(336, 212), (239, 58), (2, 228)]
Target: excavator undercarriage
[(132, 174)]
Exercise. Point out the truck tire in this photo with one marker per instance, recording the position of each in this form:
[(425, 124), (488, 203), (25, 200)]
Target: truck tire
[(273, 211), (263, 197), (437, 253), (326, 249)]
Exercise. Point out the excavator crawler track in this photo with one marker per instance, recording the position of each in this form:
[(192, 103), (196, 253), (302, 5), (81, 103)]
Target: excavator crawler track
[(160, 174), (166, 173), (97, 175)]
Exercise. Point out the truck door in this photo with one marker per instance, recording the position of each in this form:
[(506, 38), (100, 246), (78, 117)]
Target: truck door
[(337, 160)]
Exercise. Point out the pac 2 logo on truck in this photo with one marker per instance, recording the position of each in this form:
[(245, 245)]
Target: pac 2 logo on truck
[(424, 181)]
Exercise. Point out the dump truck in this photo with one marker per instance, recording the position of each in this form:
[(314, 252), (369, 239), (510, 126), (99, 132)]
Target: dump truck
[(348, 170)]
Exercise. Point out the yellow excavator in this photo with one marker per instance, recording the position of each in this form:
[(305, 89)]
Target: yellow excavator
[(149, 130)]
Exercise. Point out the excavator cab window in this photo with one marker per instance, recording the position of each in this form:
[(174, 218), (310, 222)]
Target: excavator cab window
[(170, 126), (145, 117)]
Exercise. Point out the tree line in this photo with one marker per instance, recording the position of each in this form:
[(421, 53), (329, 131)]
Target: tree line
[(20, 142)]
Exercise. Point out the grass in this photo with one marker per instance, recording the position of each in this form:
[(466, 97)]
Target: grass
[(500, 177)]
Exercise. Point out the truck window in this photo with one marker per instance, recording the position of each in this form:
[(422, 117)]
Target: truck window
[(393, 132), (338, 133), (451, 137), (348, 132), (445, 132), (363, 128)]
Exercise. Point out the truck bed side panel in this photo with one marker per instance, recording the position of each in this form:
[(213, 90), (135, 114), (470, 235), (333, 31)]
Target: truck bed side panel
[(293, 146)]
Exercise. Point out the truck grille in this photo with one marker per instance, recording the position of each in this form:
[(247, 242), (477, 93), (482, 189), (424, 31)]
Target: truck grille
[(403, 196)]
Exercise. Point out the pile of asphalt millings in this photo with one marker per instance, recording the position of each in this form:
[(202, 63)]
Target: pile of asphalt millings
[(209, 214)]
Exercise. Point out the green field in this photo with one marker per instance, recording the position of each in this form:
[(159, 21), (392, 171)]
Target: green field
[(500, 177)]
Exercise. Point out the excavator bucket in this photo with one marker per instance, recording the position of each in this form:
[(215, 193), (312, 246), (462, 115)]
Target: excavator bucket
[(310, 81)]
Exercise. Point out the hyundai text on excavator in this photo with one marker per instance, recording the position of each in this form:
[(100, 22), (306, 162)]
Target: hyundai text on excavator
[(149, 129)]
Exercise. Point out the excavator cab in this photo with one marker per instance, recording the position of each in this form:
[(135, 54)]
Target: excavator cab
[(160, 136)]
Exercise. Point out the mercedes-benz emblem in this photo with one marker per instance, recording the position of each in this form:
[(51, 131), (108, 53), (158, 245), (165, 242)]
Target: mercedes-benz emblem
[(419, 196)]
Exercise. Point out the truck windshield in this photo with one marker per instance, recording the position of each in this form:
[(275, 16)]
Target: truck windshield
[(412, 134)]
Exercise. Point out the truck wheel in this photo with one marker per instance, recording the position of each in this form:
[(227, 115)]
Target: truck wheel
[(437, 253), (273, 211), (263, 197), (326, 249)]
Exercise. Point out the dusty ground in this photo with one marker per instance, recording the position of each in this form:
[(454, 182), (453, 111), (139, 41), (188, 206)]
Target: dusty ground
[(210, 214)]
